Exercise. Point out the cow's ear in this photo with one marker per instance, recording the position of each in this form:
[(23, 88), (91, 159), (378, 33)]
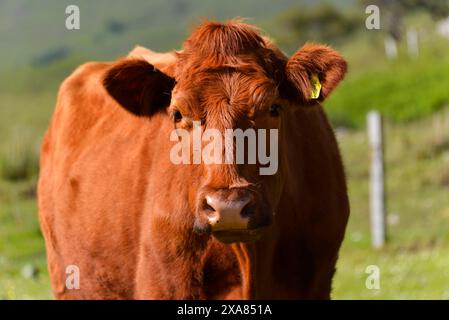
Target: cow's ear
[(138, 86), (313, 72)]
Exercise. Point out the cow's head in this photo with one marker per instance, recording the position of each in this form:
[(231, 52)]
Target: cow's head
[(229, 77)]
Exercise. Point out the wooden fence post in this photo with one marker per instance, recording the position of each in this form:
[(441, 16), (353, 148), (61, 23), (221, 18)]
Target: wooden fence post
[(413, 43), (377, 186)]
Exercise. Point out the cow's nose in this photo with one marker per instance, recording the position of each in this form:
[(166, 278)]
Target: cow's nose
[(227, 213)]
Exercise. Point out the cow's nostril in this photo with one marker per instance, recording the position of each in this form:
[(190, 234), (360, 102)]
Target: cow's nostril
[(248, 210), (227, 211), (207, 207), (210, 203)]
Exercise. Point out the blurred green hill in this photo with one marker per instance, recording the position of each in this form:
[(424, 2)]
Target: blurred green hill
[(34, 31), (39, 52)]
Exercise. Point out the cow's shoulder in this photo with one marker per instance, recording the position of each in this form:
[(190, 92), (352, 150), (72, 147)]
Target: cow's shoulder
[(87, 75), (82, 102), (82, 94)]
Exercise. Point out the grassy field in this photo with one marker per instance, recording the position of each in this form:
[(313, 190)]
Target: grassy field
[(414, 264), (21, 244)]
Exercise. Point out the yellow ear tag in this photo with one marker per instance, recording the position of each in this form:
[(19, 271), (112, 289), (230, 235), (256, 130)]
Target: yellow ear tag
[(316, 86)]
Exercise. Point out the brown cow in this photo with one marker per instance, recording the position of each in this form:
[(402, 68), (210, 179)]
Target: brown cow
[(138, 226)]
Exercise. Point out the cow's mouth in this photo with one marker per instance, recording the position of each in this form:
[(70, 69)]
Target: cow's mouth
[(238, 235)]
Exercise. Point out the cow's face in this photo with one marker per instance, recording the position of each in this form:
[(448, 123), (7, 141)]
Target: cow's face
[(227, 94)]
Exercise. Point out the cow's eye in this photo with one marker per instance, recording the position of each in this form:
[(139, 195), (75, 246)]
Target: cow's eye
[(275, 109), (177, 116)]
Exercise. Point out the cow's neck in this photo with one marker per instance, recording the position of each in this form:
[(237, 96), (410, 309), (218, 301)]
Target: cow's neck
[(246, 256)]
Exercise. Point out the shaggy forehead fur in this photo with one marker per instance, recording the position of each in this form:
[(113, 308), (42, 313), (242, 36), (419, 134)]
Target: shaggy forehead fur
[(227, 67)]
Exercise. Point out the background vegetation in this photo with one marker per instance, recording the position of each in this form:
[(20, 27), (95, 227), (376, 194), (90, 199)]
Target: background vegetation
[(412, 93)]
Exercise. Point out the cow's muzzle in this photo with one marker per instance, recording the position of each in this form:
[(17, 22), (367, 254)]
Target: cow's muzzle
[(235, 215)]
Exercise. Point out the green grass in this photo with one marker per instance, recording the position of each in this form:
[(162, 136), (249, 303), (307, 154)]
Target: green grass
[(19, 157), (403, 92), (405, 273), (414, 263), (404, 89), (21, 243)]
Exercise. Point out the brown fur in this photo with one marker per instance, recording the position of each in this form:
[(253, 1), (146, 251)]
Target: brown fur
[(112, 203)]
